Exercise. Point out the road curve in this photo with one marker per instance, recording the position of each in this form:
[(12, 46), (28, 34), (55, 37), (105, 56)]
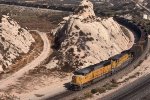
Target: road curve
[(14, 77)]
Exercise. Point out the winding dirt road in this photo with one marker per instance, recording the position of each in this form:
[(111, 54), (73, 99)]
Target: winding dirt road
[(14, 78)]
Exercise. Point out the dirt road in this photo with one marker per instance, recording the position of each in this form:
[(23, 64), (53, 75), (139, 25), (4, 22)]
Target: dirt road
[(13, 78)]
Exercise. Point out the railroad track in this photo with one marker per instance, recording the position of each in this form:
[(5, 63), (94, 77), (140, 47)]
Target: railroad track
[(67, 95), (71, 94), (137, 90), (131, 92)]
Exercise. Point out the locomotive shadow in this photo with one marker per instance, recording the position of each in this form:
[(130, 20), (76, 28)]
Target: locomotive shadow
[(67, 86)]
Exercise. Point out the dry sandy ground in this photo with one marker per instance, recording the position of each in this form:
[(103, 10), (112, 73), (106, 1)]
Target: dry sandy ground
[(57, 86), (37, 86)]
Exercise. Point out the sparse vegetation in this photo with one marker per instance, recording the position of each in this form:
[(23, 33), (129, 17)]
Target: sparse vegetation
[(130, 77), (107, 86), (93, 91), (32, 23), (33, 19), (101, 90), (114, 81), (88, 95), (114, 85)]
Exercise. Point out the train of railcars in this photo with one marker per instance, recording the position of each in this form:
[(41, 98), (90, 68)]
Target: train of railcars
[(94, 73)]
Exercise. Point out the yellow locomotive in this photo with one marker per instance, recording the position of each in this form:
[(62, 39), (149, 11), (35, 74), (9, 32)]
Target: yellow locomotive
[(93, 73)]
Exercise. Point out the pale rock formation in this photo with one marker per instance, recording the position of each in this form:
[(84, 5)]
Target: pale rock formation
[(14, 40), (85, 10), (82, 39)]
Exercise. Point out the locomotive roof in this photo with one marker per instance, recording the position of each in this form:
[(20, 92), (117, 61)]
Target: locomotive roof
[(98, 65), (91, 68), (116, 57)]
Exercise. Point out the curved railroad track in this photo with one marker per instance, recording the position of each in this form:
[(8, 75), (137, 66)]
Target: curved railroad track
[(36, 62), (131, 91), (142, 42), (70, 94), (138, 89)]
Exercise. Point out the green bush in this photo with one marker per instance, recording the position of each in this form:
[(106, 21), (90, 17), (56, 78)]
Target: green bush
[(101, 90), (93, 91)]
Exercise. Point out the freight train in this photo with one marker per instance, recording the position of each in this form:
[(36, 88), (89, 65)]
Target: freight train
[(94, 73)]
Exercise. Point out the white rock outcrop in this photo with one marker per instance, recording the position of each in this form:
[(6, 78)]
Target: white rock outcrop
[(14, 40), (82, 39)]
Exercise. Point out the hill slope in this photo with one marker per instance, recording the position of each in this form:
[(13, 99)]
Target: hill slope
[(14, 40), (84, 39)]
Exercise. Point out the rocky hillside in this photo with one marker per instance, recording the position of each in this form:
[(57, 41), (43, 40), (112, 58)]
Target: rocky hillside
[(83, 39), (14, 41)]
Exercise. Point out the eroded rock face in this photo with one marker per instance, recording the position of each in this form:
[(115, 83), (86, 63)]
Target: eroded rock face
[(14, 40), (82, 39)]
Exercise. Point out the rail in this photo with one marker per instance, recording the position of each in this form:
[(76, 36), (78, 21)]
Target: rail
[(70, 94)]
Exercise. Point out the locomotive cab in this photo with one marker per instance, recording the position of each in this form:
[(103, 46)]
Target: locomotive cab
[(76, 82), (79, 78)]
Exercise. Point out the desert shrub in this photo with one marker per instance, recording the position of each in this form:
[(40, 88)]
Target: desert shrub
[(93, 91), (88, 95), (101, 90), (107, 86), (114, 81), (114, 85)]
